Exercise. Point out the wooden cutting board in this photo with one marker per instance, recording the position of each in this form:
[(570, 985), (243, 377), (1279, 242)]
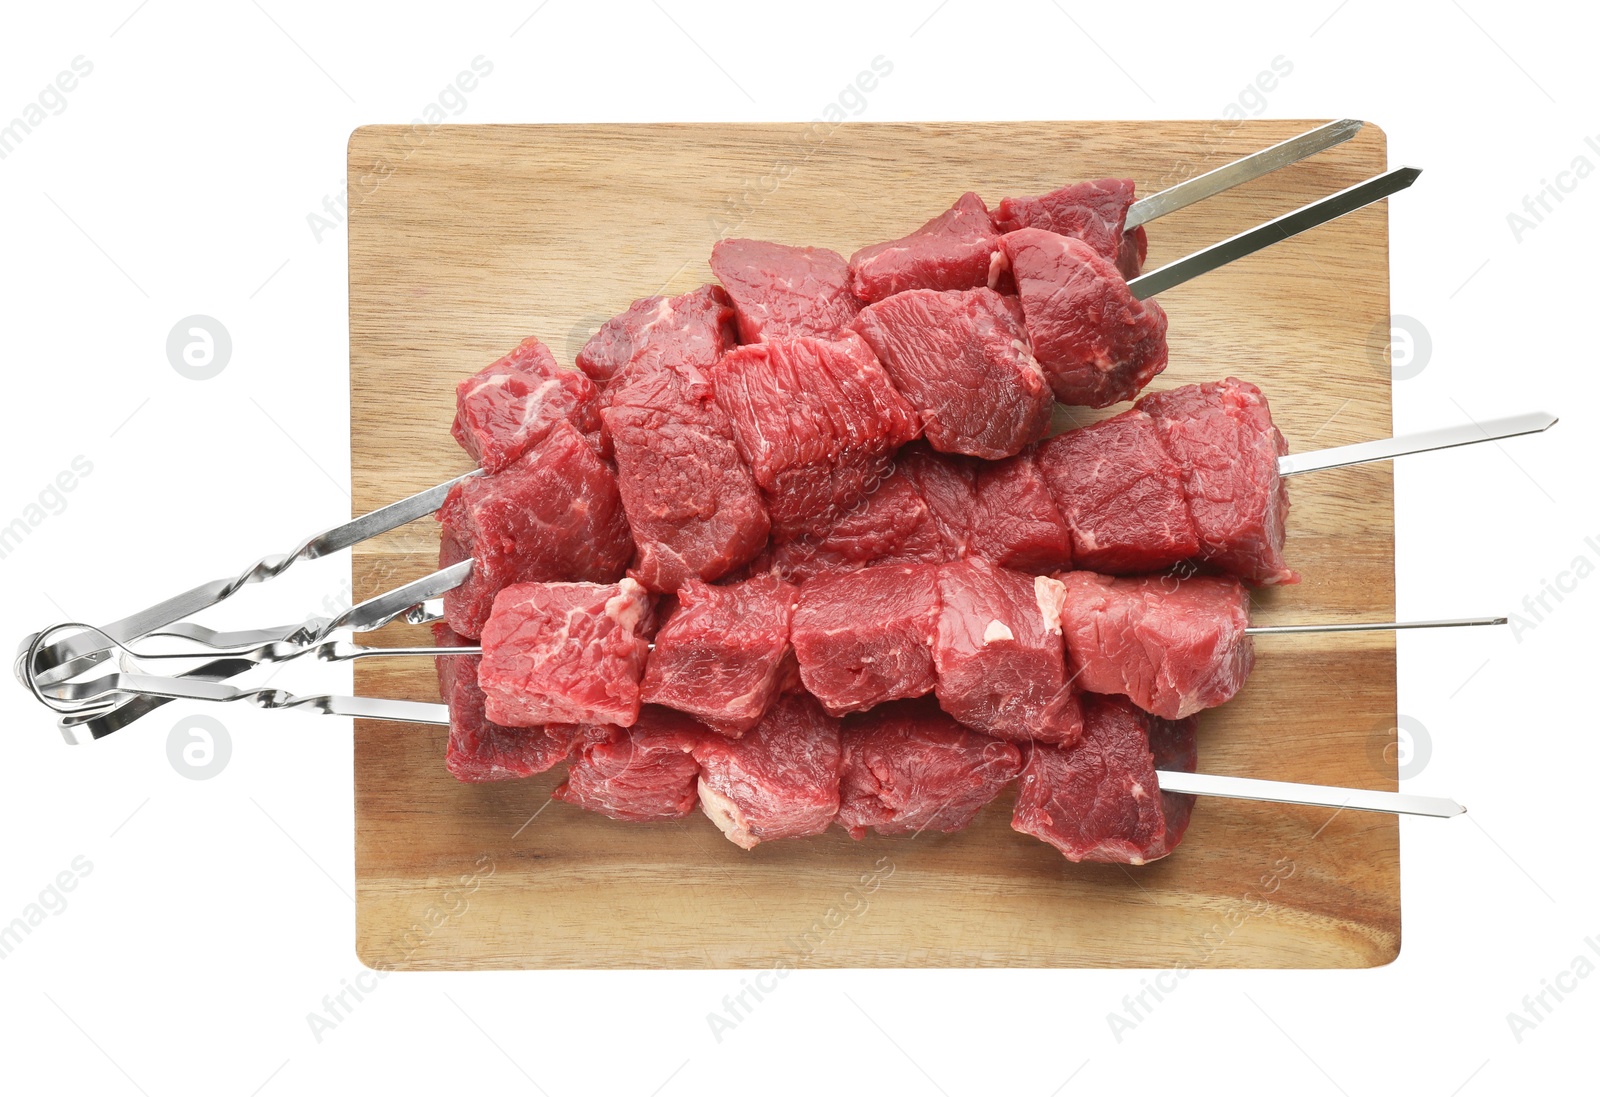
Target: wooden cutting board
[(464, 240)]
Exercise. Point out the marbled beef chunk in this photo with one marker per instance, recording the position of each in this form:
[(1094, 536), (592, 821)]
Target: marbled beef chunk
[(816, 421), (1121, 494), (1172, 645), (866, 637), (637, 774), (780, 780), (961, 358), (783, 292), (909, 767), (1092, 212), (1099, 800), (692, 506), (1222, 434), (566, 653), (953, 251), (691, 329), (998, 653), (510, 405), (1097, 343), (724, 655)]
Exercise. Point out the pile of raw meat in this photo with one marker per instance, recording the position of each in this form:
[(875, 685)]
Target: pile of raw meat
[(795, 549)]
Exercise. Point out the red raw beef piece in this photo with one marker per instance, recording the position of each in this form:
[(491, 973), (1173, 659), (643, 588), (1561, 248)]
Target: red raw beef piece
[(1017, 524), (1096, 342), (948, 483), (478, 750), (909, 767), (1222, 434), (566, 653), (783, 292), (1121, 494), (998, 653), (1092, 212), (1173, 746), (723, 655), (961, 358), (815, 420), (866, 637), (691, 329), (780, 780), (953, 251), (693, 507), (1171, 645), (637, 774), (1098, 800), (510, 405), (892, 525), (552, 514)]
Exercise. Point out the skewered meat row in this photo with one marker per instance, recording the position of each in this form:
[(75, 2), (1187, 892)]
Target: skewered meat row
[(1004, 653), (902, 768), (1189, 474)]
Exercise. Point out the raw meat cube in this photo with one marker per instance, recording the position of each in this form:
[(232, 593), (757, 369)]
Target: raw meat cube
[(891, 525), (1098, 800), (961, 358), (948, 483), (1092, 212), (1223, 435), (783, 292), (1121, 494), (866, 637), (552, 514), (691, 329), (953, 251), (998, 653), (1017, 524), (781, 780), (510, 405), (691, 503), (1096, 342), (724, 654), (1172, 646), (909, 767), (566, 653), (637, 774), (478, 750), (815, 420)]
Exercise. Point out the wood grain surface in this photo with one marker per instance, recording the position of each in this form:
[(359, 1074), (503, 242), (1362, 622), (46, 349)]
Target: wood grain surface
[(467, 239)]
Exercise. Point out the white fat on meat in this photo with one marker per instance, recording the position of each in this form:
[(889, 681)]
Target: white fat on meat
[(996, 632), (1051, 594), (627, 607), (723, 812)]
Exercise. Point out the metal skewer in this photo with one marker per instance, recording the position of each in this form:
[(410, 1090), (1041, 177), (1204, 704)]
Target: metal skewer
[(1289, 792), (1279, 228), (1373, 626), (82, 653), (1383, 449), (1254, 166), (160, 687)]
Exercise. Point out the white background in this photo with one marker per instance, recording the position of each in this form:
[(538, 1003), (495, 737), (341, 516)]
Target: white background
[(217, 913)]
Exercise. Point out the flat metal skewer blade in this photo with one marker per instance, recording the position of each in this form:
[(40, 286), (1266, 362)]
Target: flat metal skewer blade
[(1373, 626), (1278, 229), (1254, 166), (1383, 449), (1289, 792)]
